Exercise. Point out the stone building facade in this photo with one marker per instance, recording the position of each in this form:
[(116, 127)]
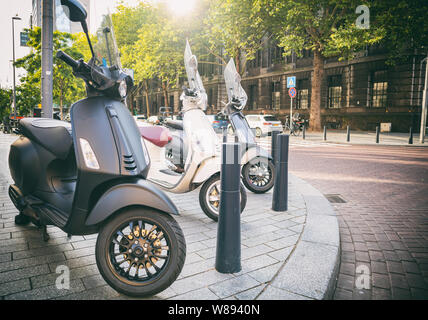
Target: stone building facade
[(362, 92)]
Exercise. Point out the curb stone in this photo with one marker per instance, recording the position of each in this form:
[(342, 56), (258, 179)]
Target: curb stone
[(311, 270)]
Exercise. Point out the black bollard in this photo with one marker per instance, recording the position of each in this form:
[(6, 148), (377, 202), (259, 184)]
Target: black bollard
[(224, 134), (274, 145), (325, 133), (280, 191), (348, 133), (411, 136), (304, 131), (377, 134), (228, 251)]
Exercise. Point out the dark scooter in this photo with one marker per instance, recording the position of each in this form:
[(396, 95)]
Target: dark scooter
[(89, 177)]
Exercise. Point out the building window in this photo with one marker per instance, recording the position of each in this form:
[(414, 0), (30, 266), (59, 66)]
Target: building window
[(334, 91), (303, 97), (379, 89), (276, 95), (252, 96)]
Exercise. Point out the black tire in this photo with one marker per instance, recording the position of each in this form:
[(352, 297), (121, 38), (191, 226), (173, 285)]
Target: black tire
[(172, 265), (250, 184), (205, 205)]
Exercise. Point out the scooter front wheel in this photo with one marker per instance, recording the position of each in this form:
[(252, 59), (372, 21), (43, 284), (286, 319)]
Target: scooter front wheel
[(140, 251), (209, 197), (258, 175)]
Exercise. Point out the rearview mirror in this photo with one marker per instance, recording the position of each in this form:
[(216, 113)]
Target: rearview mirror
[(74, 10)]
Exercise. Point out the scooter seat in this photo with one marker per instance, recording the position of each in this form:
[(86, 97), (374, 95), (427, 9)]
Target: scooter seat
[(174, 124), (159, 136), (53, 135)]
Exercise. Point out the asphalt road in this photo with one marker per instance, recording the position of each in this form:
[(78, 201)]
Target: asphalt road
[(384, 219)]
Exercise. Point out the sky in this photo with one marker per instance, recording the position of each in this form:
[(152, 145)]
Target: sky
[(23, 8)]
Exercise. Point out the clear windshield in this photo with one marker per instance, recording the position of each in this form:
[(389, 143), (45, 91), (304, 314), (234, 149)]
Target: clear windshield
[(105, 47), (233, 84), (191, 64)]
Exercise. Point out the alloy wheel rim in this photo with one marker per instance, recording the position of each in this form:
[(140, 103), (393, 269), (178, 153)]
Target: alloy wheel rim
[(213, 196), (259, 174), (139, 251)]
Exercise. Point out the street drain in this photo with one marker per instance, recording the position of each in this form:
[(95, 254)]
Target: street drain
[(334, 198)]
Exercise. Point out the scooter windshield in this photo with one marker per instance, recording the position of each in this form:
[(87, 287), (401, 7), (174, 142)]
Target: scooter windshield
[(191, 64), (105, 46), (233, 84)]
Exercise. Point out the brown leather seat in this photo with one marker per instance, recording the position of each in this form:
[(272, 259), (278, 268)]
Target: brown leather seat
[(157, 135)]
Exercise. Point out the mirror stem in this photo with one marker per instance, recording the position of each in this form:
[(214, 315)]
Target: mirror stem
[(85, 30)]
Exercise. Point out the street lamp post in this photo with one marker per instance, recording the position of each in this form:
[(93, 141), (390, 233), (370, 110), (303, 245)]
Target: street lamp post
[(424, 104), (13, 64)]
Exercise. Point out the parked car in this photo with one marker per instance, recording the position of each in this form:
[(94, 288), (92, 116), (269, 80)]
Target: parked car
[(140, 117), (263, 124), (218, 121)]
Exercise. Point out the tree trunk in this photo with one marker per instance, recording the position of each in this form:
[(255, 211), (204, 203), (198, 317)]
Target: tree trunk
[(165, 94), (315, 109), (146, 94)]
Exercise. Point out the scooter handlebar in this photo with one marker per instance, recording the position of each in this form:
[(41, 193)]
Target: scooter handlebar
[(67, 59)]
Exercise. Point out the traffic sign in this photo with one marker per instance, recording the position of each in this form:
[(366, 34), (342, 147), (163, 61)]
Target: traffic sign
[(292, 92), (291, 82)]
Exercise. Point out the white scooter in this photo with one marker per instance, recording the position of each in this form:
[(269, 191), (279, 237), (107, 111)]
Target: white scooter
[(258, 170), (202, 159)]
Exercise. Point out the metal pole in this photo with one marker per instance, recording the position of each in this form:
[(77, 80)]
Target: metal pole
[(274, 144), (411, 136), (325, 133), (424, 105), (291, 115), (280, 189), (228, 250), (348, 133), (377, 134), (14, 83), (47, 57), (304, 131)]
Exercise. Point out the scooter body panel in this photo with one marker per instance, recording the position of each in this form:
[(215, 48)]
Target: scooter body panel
[(139, 193)]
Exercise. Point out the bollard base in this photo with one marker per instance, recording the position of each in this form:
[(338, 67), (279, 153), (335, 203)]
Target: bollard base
[(228, 252)]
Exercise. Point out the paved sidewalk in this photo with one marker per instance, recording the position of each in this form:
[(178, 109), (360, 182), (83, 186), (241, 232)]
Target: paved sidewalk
[(287, 255), (362, 137)]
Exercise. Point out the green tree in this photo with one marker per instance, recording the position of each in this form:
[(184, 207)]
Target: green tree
[(325, 27), (66, 88), (406, 27), (5, 102), (233, 27)]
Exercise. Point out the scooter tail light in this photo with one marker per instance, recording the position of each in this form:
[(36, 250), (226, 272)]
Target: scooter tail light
[(88, 155)]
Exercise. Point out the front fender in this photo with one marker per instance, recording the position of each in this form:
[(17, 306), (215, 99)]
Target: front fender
[(254, 152), (128, 194)]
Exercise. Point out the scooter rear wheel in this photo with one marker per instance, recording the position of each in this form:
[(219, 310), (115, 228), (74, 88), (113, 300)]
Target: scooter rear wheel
[(209, 197), (140, 251), (258, 175)]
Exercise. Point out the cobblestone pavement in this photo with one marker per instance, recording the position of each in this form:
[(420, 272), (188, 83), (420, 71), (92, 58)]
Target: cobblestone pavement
[(28, 265), (384, 221)]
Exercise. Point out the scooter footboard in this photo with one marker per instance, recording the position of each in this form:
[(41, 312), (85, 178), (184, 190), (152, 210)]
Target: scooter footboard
[(129, 194)]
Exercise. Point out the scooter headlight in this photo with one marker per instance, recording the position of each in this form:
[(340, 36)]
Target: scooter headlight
[(88, 155), (123, 89)]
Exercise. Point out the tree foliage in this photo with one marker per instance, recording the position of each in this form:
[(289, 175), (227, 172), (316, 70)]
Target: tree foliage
[(66, 88)]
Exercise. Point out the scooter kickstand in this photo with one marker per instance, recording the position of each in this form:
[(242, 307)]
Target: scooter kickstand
[(45, 235)]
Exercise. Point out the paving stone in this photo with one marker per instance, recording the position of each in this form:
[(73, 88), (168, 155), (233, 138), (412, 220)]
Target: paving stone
[(14, 286), (250, 294), (200, 294), (47, 292), (272, 293), (233, 286)]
